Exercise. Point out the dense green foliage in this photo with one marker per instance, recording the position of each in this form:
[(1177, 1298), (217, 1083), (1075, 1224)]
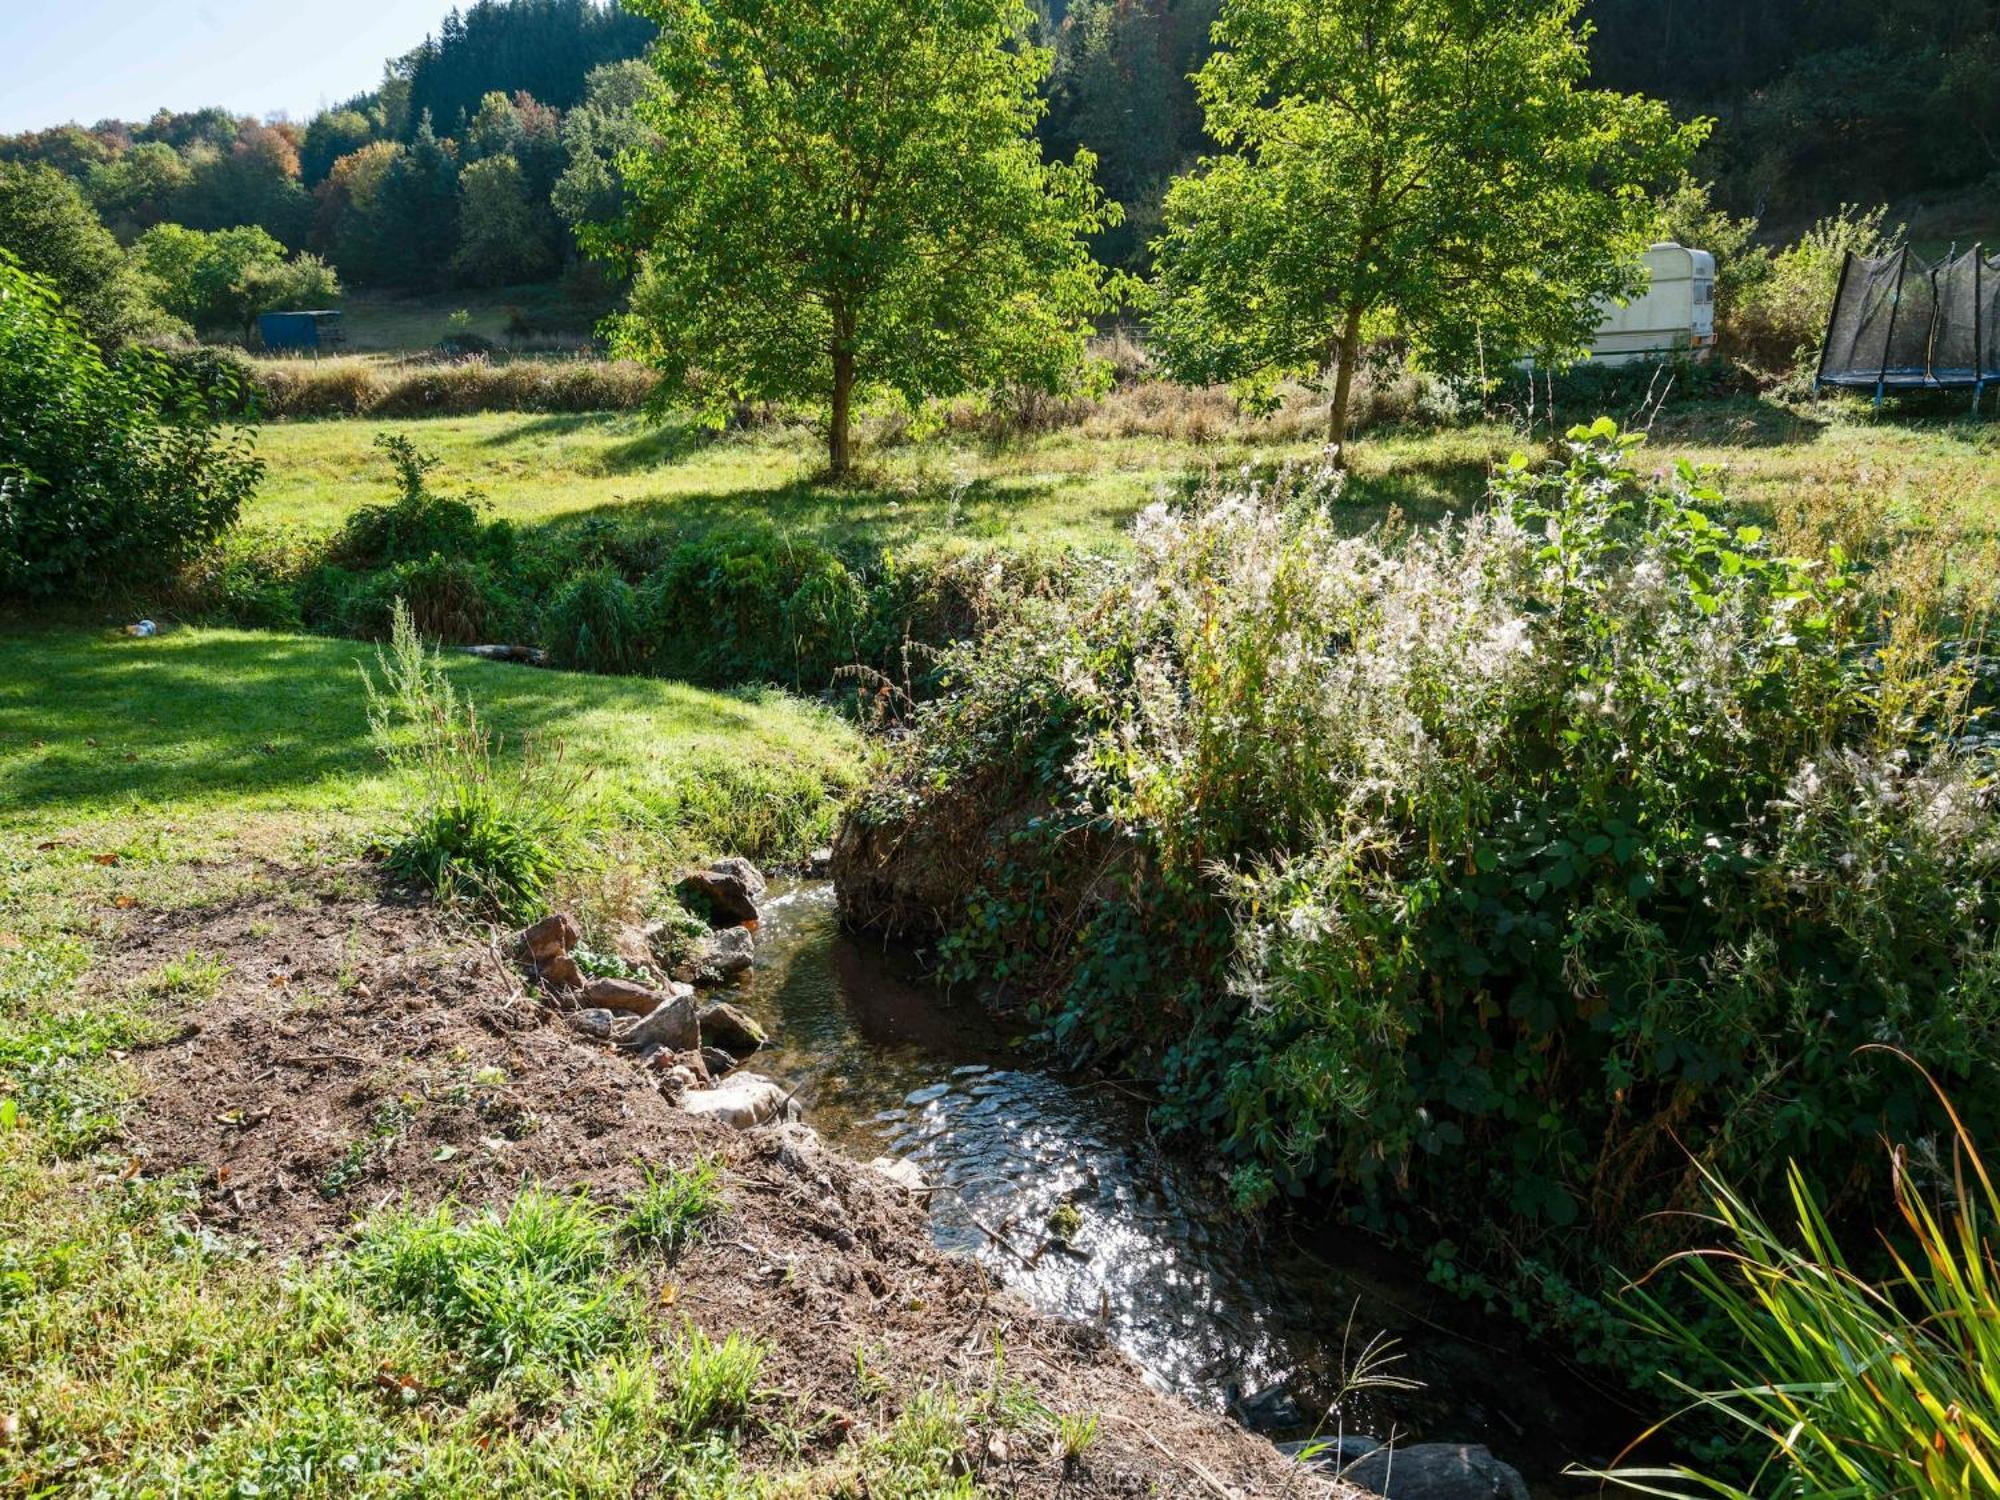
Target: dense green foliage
[(544, 48), (847, 199), (221, 281), (1469, 870), (51, 231), (1431, 170), (1819, 104), (109, 473)]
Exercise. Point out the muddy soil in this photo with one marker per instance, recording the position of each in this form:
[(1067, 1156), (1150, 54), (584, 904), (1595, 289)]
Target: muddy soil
[(365, 1051)]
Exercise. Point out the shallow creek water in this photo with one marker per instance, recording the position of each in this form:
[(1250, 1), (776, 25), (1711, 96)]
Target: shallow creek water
[(1206, 1303)]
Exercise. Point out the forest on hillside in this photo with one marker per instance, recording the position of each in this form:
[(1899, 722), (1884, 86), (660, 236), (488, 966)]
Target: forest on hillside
[(492, 140)]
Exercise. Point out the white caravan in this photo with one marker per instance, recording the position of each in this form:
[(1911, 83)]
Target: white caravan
[(1674, 316)]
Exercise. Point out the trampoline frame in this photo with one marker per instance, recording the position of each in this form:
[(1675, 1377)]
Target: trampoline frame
[(1903, 378)]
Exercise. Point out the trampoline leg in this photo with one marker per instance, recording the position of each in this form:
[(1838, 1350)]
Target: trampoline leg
[(1880, 386)]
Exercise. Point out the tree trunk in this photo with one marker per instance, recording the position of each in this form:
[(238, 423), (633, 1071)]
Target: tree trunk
[(843, 400), (1343, 385)]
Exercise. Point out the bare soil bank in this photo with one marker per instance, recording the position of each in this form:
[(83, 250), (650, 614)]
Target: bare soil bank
[(365, 1052)]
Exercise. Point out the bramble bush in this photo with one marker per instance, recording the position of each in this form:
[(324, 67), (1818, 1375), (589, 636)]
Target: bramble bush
[(110, 473), (1465, 872)]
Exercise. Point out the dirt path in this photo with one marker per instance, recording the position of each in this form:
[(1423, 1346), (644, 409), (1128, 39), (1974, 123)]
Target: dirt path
[(363, 1052)]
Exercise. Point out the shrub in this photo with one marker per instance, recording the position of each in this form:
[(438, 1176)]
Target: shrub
[(417, 524), (592, 624), (754, 606), (1473, 866), (1782, 318), (498, 833), (107, 473)]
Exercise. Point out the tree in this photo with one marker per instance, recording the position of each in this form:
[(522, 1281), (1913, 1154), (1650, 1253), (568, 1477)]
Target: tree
[(595, 135), (1432, 169), (419, 203), (108, 472), (846, 196), (502, 233), (332, 134), (254, 180), (226, 278), (133, 193), (351, 220), (45, 221)]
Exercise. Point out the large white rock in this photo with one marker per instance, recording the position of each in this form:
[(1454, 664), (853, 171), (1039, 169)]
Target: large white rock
[(742, 1100)]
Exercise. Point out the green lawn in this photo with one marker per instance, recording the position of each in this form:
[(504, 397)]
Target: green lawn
[(1077, 487), (213, 728)]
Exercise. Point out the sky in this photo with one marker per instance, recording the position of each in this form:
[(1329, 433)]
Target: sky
[(86, 60)]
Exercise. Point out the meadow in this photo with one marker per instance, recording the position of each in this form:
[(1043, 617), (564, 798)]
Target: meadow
[(1079, 486)]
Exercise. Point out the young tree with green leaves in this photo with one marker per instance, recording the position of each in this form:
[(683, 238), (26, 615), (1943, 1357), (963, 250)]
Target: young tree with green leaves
[(846, 196), (1437, 170), (225, 278), (45, 221)]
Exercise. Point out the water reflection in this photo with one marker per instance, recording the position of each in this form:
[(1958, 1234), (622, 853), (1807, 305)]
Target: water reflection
[(1203, 1300)]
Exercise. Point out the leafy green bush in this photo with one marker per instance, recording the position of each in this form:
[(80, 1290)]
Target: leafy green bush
[(1781, 319), (592, 624), (108, 473), (417, 524), (496, 832), (1465, 870), (754, 606)]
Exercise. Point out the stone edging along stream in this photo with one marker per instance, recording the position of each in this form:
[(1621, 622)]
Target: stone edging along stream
[(695, 1053)]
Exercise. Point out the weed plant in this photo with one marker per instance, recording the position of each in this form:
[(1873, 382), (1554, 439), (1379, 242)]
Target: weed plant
[(1478, 865), (495, 832)]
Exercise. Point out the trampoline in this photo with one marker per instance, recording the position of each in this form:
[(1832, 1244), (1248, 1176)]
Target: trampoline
[(1901, 323)]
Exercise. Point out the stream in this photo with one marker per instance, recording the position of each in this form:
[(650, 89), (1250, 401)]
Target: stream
[(1212, 1306)]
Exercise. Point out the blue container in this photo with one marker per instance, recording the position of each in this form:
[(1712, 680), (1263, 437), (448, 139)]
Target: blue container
[(301, 332)]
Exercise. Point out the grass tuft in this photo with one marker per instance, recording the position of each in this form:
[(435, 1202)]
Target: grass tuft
[(712, 1383), (531, 1288), (674, 1208)]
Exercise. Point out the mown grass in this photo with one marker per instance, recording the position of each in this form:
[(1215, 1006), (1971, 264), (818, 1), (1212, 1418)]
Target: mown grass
[(216, 728), (513, 1350), (1078, 487)]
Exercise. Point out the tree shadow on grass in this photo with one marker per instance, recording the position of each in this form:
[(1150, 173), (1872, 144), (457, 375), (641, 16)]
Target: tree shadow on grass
[(866, 517), (653, 444), (90, 721)]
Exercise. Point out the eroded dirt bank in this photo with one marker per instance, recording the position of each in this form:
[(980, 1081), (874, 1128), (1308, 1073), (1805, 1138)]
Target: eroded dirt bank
[(364, 1052)]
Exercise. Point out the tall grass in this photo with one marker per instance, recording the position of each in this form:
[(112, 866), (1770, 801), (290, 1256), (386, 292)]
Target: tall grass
[(1841, 1386), (497, 832), (437, 388)]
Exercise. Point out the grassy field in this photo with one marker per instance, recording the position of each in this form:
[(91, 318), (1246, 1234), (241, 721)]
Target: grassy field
[(384, 322), (216, 729), (1078, 487)]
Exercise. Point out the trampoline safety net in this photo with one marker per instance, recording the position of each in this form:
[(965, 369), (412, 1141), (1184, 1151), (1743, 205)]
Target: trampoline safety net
[(1902, 323)]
